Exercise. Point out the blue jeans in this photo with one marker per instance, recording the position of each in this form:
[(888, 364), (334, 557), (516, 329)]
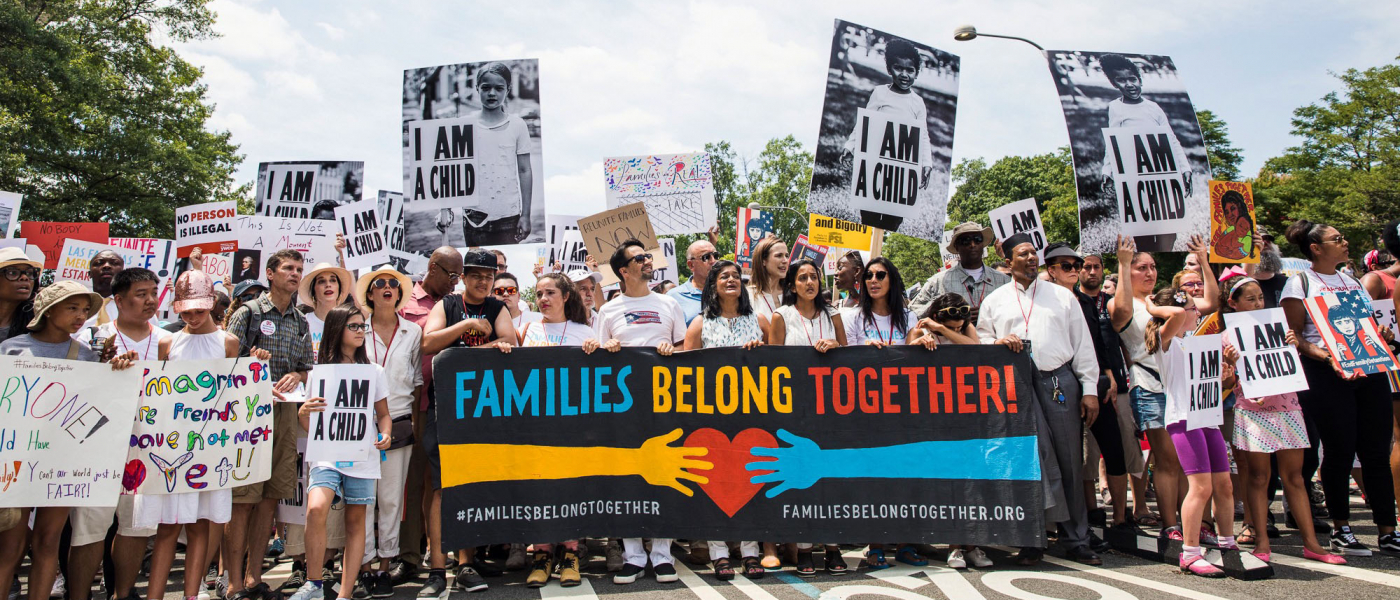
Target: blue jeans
[(353, 490)]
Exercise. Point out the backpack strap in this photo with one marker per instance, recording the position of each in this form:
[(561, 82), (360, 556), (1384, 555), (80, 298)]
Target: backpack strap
[(251, 332), (73, 349)]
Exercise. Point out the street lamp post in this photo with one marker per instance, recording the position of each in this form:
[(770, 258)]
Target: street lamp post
[(967, 33)]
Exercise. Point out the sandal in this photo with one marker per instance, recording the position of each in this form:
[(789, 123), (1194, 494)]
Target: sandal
[(1198, 565), (909, 556), (724, 571), (805, 568), (753, 569), (1149, 519), (1247, 536), (875, 560), (835, 563)]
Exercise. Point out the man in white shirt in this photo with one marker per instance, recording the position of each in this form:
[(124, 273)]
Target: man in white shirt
[(136, 294), (970, 278), (642, 318), (1046, 320), (699, 257)]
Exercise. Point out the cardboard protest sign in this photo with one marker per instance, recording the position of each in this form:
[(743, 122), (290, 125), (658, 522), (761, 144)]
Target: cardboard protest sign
[(307, 189), (64, 429), (804, 248), (1203, 408), (473, 170), (49, 237), (1139, 157), (884, 150), (207, 226), (678, 189), (833, 232), (751, 226), (604, 232), (260, 237), (201, 425), (788, 416), (346, 430), (1232, 223), (1268, 364), (668, 272), (1343, 319), (293, 510), (9, 214), (365, 247), (76, 259), (1021, 216)]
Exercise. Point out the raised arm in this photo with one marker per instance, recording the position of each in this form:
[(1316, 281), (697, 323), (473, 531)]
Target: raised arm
[(1121, 306)]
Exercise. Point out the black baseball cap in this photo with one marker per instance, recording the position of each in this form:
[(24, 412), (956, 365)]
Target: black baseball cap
[(480, 259)]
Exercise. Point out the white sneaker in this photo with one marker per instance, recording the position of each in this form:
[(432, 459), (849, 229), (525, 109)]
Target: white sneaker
[(956, 560), (979, 559), (59, 587)]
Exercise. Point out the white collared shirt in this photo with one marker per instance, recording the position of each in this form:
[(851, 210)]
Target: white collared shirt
[(1057, 330), (402, 362)]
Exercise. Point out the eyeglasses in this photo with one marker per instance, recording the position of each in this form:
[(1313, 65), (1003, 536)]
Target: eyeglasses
[(1385, 263), (248, 296), (876, 275), (450, 274), (361, 327), (640, 258), (379, 283), (14, 273), (506, 290), (706, 257), (971, 238), (1070, 265), (500, 267), (955, 312), (1192, 284), (1340, 239)]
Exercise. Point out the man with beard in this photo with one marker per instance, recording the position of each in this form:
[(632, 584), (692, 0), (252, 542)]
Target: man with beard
[(1268, 271)]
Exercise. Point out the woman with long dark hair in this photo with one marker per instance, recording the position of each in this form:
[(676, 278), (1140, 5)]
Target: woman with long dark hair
[(19, 282), (881, 318), (1352, 412)]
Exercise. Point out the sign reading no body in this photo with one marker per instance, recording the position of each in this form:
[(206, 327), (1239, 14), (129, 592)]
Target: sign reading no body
[(442, 162)]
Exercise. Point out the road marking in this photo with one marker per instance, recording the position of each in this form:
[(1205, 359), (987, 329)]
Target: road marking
[(1125, 578), (799, 584), (1358, 573), (583, 590), (696, 584), (1004, 582), (751, 589)]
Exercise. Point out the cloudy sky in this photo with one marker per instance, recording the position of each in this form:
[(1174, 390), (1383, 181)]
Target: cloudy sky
[(322, 80)]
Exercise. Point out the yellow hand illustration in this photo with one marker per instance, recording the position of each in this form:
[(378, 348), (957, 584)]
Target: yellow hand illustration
[(656, 461)]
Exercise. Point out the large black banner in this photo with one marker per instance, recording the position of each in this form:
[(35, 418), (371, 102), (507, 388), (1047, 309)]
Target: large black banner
[(779, 444)]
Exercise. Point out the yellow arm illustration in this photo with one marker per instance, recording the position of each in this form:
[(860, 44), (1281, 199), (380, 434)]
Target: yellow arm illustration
[(656, 461)]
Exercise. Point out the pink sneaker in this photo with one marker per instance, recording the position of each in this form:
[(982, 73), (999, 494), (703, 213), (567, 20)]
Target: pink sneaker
[(1197, 565), (1264, 556), (1326, 557)]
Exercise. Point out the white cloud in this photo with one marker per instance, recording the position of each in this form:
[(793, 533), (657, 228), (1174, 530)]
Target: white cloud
[(332, 31)]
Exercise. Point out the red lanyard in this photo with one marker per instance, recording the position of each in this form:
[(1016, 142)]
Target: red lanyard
[(1327, 287), (149, 336), (387, 347), (1024, 313), (880, 336), (805, 326)]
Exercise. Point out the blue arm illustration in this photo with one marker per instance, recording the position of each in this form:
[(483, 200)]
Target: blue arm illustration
[(803, 463)]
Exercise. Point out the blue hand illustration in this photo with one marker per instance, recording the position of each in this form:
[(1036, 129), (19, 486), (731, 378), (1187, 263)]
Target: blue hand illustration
[(803, 463)]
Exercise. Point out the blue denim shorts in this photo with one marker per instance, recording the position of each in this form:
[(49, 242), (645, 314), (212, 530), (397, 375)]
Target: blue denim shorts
[(1148, 408), (353, 490)]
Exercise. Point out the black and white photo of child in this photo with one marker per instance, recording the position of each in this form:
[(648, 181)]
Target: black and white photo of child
[(307, 189), (1103, 90), (501, 100), (908, 82)]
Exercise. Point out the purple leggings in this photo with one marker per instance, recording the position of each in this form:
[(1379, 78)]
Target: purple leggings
[(1199, 450)]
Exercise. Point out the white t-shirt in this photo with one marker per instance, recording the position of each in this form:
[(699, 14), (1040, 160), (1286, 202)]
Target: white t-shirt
[(1173, 369), (975, 274), (525, 318), (644, 321), (858, 329), (567, 333), (147, 349), (498, 176), (1317, 284), (1143, 114), (367, 469), (315, 326)]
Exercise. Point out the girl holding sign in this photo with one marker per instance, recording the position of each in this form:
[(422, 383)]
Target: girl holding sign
[(324, 288), (1352, 412), (354, 481), (1201, 452), (196, 512), (1271, 425)]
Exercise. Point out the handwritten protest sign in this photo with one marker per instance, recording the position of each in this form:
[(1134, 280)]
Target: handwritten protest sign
[(1268, 364), (678, 189), (64, 428), (49, 237), (365, 247), (9, 214), (1203, 407), (1232, 223), (207, 226), (201, 425), (1343, 319), (831, 231), (668, 272), (76, 259), (293, 510), (346, 430), (1021, 216), (605, 231), (260, 237), (442, 163), (1150, 177), (752, 226), (804, 248)]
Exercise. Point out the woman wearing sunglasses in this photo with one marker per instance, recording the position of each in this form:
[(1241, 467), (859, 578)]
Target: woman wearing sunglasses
[(19, 281), (881, 318), (507, 289)]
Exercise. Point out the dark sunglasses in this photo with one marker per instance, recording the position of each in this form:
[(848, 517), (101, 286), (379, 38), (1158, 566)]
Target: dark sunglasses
[(640, 258), (379, 283), (248, 296), (450, 274), (876, 275), (358, 326), (506, 290), (14, 273), (971, 238), (1070, 265), (955, 312), (707, 257)]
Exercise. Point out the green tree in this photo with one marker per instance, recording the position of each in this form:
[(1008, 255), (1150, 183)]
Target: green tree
[(99, 122), (1224, 158), (1346, 170)]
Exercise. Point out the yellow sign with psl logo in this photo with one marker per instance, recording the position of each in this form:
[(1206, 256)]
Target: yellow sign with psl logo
[(830, 231)]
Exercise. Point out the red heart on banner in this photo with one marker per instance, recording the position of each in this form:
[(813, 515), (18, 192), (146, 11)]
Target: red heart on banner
[(134, 475), (729, 485)]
